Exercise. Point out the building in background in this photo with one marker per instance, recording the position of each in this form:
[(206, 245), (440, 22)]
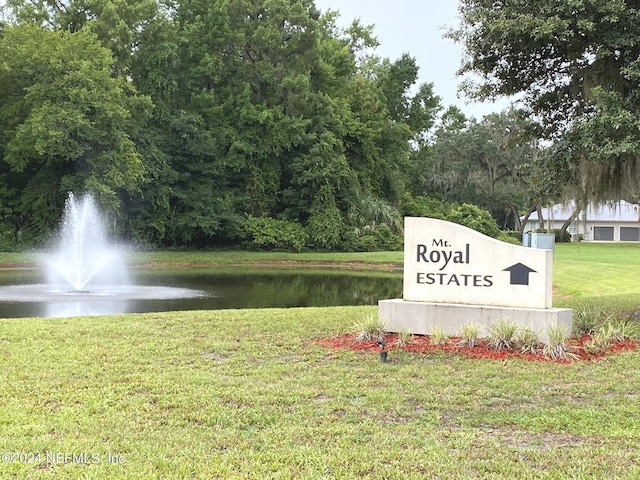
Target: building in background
[(612, 222)]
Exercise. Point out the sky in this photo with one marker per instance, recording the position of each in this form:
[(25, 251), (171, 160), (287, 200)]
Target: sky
[(416, 27)]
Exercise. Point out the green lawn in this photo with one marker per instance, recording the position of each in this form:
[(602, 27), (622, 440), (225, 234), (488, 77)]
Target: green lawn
[(588, 270), (248, 394), (243, 257), (180, 259)]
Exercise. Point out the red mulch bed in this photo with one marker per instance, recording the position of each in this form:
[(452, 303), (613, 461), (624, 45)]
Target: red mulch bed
[(422, 344)]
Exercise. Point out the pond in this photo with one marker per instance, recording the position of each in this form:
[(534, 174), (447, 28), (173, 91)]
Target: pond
[(207, 289)]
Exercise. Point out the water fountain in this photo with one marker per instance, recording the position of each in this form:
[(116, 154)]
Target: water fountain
[(85, 273), (83, 260)]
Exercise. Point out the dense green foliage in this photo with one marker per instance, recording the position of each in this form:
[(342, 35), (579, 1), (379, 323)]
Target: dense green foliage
[(268, 233), (191, 120), (575, 66), (473, 217), (487, 163), (188, 121), (67, 123), (255, 122)]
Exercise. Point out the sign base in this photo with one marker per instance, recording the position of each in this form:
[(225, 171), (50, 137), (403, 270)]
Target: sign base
[(421, 317)]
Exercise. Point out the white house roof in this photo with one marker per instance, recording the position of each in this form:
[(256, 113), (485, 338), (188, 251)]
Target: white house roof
[(606, 212)]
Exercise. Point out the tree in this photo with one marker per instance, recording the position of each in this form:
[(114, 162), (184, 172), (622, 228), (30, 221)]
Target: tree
[(245, 83), (138, 34), (66, 121), (118, 24), (575, 66), (474, 217), (486, 163)]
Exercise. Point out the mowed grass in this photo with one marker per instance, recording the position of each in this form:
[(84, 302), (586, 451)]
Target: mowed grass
[(249, 394), (222, 258), (597, 270), (234, 257)]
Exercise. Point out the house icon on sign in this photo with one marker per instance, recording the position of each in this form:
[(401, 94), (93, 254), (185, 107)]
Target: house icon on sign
[(519, 274)]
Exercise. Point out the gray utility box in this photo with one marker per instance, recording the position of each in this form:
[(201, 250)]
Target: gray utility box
[(544, 241)]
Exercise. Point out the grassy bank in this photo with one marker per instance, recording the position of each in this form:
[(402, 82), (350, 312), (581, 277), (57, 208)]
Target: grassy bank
[(179, 259), (248, 394)]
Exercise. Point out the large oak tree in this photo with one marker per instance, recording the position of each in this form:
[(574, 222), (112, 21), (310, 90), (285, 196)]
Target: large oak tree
[(575, 65)]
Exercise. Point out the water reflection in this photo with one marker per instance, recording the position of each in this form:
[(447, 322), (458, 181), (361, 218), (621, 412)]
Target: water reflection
[(257, 288), (84, 309)]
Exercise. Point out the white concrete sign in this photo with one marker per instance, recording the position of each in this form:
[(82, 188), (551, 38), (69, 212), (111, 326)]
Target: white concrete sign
[(455, 276), (447, 263)]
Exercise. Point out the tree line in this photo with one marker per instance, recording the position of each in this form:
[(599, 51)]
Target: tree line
[(199, 123)]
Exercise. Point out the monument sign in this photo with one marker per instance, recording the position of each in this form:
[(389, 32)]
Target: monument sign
[(454, 275)]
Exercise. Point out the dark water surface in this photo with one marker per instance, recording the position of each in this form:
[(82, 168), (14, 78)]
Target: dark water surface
[(212, 289)]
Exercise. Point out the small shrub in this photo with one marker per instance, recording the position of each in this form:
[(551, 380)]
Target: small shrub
[(565, 237), (474, 217), (269, 233), (613, 331), (380, 239), (508, 238), (590, 347), (599, 341), (351, 242), (502, 335), (387, 240), (622, 330), (405, 337), (588, 317), (557, 347), (325, 226), (370, 329), (469, 335), (527, 341), (438, 337), (424, 206)]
